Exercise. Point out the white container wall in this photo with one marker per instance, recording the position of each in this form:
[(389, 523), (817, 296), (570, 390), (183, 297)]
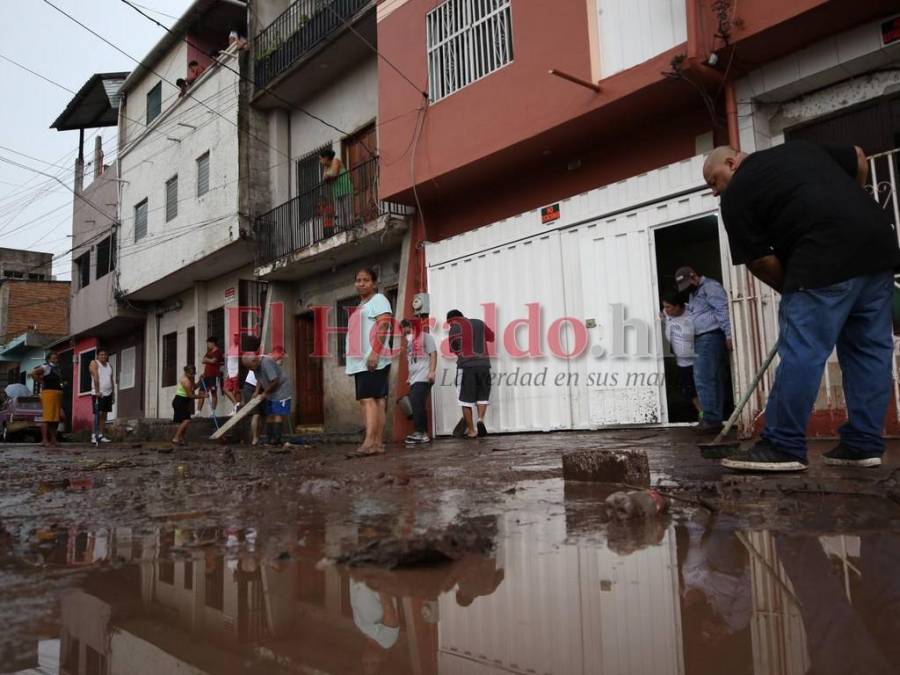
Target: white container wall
[(597, 269), (634, 31), (577, 609)]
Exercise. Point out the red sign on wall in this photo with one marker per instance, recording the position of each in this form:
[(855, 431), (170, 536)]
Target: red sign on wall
[(550, 213), (230, 295)]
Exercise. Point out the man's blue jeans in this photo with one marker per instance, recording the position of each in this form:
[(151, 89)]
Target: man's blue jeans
[(855, 316), (709, 350)]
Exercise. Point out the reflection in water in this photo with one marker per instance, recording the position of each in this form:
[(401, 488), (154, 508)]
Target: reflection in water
[(683, 599)]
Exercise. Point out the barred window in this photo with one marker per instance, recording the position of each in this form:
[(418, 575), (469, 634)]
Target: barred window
[(467, 40), (171, 198)]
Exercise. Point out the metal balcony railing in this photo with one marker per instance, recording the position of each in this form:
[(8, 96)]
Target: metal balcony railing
[(296, 31), (332, 207)]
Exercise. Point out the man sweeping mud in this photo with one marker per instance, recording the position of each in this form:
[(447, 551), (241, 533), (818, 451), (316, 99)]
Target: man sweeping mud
[(797, 215)]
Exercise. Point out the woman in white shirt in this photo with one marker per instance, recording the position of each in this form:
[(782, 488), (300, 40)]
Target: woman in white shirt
[(680, 335)]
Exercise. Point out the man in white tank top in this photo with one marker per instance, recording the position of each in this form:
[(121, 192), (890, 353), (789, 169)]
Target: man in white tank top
[(102, 392)]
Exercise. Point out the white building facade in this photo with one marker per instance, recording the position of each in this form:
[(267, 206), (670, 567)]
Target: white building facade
[(188, 185)]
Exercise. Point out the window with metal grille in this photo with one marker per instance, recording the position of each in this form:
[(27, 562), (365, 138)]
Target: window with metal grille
[(140, 220), (104, 257), (171, 198), (345, 309), (203, 174), (83, 262), (170, 360), (154, 102), (466, 40)]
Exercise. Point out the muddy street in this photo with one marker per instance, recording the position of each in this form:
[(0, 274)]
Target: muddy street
[(469, 557)]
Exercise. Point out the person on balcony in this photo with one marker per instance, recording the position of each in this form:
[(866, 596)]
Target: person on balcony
[(195, 70), (799, 217), (337, 209)]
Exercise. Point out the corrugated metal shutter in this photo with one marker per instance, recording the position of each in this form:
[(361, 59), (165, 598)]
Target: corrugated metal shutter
[(597, 269), (203, 175), (140, 220), (171, 198)]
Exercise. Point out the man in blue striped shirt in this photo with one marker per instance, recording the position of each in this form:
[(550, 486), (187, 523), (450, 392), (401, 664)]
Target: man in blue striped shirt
[(708, 308)]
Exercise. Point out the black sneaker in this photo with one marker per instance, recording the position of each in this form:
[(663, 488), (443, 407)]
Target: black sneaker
[(459, 431), (482, 430), (704, 427), (841, 455), (764, 457)]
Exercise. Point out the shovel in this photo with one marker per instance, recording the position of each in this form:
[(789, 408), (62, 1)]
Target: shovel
[(719, 448)]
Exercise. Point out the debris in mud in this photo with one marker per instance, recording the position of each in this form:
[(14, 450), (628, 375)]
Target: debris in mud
[(608, 466), (641, 504), (433, 547)]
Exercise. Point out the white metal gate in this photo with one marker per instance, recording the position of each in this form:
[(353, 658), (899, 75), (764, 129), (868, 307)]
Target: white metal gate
[(598, 270)]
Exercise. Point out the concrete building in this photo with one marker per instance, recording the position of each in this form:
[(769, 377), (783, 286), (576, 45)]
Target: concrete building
[(317, 82), (188, 192), (98, 318), (20, 264), (579, 191)]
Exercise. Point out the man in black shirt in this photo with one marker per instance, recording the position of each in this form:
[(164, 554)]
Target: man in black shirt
[(797, 215), (468, 341)]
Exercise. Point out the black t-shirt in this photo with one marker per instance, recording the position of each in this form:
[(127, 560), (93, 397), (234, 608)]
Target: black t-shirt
[(801, 202)]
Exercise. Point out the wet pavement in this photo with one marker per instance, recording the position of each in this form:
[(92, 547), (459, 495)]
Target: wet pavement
[(468, 558)]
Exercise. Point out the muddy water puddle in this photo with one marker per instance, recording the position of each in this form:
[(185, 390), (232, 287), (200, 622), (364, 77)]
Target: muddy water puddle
[(556, 592)]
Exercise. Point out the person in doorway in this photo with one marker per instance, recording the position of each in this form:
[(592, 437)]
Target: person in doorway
[(337, 208), (183, 403), (212, 366), (468, 341), (799, 217), (421, 359), (680, 336), (232, 387), (708, 309), (102, 393), (49, 376), (274, 386), (368, 359)]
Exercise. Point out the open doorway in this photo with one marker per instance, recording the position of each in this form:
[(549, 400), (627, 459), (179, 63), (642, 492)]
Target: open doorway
[(694, 243)]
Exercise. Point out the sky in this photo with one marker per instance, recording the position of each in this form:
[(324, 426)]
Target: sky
[(36, 211)]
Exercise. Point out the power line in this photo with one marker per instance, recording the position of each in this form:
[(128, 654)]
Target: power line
[(141, 63), (46, 79), (248, 79), (365, 41), (79, 196)]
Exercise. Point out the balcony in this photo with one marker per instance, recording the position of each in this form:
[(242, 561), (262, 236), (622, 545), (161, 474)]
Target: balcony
[(320, 221), (301, 34)]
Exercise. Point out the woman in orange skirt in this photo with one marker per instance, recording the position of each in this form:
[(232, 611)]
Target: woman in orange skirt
[(49, 376)]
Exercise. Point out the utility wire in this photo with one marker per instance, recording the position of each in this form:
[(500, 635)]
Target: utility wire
[(248, 79), (151, 70)]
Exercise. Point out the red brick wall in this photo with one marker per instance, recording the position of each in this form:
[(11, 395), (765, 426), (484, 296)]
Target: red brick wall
[(38, 305)]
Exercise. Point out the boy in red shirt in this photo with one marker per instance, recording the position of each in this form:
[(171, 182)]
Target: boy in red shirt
[(212, 365)]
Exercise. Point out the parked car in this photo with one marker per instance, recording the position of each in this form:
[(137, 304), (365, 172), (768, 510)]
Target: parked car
[(21, 416)]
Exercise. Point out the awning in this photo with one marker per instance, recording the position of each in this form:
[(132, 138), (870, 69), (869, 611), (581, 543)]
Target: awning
[(95, 105)]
